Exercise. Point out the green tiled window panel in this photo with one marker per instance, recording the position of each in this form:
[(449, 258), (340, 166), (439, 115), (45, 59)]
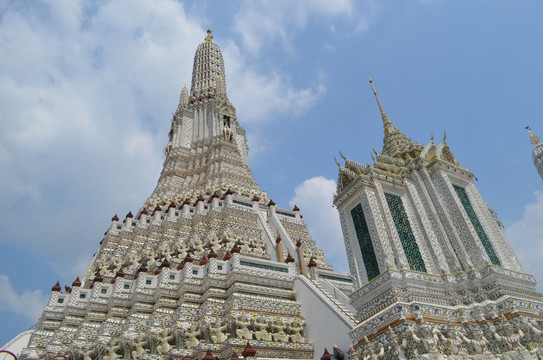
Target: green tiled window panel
[(262, 266), (464, 199), (409, 244), (364, 241), (336, 278)]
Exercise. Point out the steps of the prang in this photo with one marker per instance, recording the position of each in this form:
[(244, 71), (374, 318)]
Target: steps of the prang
[(343, 305), (222, 292), (215, 222), (204, 263)]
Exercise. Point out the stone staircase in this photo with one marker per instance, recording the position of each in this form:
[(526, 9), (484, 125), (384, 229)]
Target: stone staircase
[(337, 297), (342, 309)]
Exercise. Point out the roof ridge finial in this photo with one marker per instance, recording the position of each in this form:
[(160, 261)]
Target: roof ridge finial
[(209, 37), (389, 127), (534, 139)]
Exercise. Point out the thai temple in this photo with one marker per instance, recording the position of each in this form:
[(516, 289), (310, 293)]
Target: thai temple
[(211, 268)]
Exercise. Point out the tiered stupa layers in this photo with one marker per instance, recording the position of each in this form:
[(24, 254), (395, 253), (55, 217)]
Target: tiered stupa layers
[(208, 263)]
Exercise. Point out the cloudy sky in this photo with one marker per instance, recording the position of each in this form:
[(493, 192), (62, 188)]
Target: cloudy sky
[(87, 88)]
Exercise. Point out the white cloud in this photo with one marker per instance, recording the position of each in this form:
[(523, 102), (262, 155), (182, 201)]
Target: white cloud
[(261, 97), (265, 22), (314, 197), (29, 303), (526, 238)]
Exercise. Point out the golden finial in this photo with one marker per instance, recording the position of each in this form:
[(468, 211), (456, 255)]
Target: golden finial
[(343, 157), (209, 37), (336, 162), (373, 88), (534, 139), (184, 86)]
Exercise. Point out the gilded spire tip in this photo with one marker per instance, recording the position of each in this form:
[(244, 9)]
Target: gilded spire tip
[(209, 37), (534, 139)]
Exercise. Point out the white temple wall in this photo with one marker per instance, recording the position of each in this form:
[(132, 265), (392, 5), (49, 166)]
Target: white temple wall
[(384, 249), (414, 211), (354, 258), (443, 253), (450, 234), (354, 253), (478, 253), (323, 327), (468, 252), (503, 250), (396, 244)]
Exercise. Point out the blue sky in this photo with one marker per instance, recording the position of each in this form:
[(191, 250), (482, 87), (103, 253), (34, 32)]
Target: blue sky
[(86, 91)]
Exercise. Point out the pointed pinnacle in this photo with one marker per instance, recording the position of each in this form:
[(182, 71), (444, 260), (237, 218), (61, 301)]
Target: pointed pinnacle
[(387, 124), (534, 139)]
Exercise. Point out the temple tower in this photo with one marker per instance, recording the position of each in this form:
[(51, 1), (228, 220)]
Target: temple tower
[(425, 251), (207, 149), (208, 263)]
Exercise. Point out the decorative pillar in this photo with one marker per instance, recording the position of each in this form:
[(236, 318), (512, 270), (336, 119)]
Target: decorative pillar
[(279, 250), (301, 262)]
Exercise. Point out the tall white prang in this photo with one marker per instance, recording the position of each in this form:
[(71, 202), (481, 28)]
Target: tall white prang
[(208, 266)]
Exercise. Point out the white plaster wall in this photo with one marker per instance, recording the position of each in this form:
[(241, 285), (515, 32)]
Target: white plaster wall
[(324, 328), (18, 343)]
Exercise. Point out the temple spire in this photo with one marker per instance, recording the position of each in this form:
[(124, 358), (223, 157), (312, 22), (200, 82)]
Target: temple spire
[(209, 37), (208, 74), (395, 143), (387, 124), (534, 139)]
